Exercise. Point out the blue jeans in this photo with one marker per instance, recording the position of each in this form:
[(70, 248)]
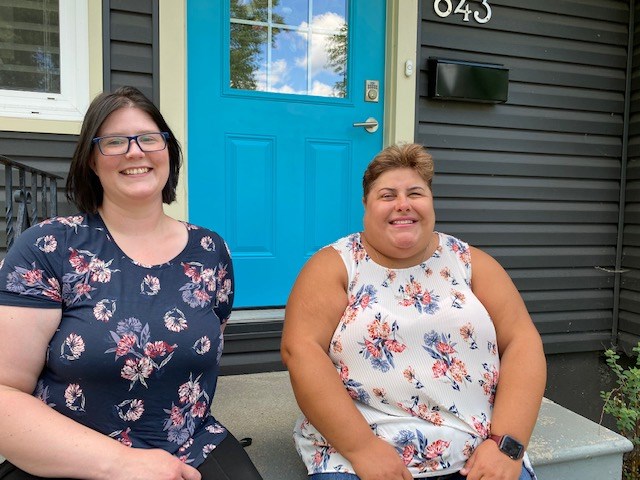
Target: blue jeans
[(524, 475)]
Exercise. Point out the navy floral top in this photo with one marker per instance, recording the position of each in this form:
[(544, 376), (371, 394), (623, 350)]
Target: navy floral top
[(137, 352)]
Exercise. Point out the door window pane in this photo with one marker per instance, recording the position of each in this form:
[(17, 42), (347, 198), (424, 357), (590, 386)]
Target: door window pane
[(288, 55), (334, 7), (250, 10), (289, 46), (292, 12), (248, 56), (30, 46)]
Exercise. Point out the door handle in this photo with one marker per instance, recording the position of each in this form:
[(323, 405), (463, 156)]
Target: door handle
[(370, 124)]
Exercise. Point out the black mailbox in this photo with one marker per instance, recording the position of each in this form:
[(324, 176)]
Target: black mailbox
[(467, 81)]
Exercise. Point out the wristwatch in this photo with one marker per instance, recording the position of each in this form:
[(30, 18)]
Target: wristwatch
[(509, 446)]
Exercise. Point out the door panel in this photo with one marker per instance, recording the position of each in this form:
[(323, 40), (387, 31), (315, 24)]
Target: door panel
[(275, 163)]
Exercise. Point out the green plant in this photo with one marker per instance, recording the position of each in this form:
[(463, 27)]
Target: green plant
[(623, 402)]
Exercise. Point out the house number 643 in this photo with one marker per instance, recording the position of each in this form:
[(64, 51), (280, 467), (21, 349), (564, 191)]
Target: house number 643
[(462, 9)]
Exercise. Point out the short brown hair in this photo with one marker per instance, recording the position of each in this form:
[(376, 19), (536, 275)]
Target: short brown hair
[(83, 185), (409, 155)]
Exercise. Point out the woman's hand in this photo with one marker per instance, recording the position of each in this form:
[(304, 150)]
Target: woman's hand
[(487, 462), (377, 460), (154, 464)]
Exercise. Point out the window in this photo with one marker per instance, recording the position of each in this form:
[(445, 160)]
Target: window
[(289, 46), (44, 59)]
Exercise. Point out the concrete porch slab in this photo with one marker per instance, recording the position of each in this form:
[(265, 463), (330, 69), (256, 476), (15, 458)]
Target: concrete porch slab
[(564, 445), (262, 406)]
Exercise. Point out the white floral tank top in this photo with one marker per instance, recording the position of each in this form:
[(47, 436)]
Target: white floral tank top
[(417, 352)]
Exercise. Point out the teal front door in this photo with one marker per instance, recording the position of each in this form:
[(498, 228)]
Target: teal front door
[(275, 161)]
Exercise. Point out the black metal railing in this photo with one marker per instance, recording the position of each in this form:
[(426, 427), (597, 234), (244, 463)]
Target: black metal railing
[(34, 198)]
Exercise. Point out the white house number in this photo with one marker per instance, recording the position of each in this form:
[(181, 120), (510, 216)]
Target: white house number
[(443, 8)]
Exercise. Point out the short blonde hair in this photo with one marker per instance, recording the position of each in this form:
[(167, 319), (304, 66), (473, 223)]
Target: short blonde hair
[(409, 155)]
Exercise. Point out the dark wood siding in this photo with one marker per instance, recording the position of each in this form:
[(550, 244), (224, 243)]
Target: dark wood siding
[(629, 318), (131, 46), (535, 181)]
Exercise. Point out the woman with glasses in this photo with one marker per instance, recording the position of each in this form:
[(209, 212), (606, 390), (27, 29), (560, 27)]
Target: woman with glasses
[(112, 319)]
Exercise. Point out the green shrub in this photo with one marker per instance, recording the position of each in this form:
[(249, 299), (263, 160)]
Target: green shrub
[(623, 402)]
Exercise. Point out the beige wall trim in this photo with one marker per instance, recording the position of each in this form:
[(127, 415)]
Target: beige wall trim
[(400, 84), (173, 89)]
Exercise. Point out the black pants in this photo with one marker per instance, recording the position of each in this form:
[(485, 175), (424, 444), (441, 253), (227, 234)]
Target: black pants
[(228, 461)]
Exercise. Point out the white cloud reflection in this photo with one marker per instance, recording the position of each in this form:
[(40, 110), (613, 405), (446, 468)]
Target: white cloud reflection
[(330, 22), (285, 73)]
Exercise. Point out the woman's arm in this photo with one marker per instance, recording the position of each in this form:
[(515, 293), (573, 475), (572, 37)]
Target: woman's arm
[(522, 366), (315, 306), (45, 443)]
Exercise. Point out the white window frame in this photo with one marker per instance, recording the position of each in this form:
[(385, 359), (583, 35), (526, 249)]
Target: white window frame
[(72, 101)]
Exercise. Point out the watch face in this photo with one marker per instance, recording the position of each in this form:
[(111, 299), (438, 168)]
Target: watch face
[(511, 447)]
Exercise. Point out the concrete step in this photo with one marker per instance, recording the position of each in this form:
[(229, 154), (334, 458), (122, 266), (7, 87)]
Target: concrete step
[(262, 406), (564, 445)]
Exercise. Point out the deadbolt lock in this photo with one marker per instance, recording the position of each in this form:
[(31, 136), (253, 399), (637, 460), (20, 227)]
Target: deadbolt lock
[(371, 90)]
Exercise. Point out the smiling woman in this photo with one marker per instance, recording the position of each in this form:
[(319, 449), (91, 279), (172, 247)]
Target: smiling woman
[(115, 317), (140, 158), (395, 349), (399, 217)]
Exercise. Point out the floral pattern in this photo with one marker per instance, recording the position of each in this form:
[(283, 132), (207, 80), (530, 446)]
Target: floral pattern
[(354, 388), (447, 365), (193, 404), (467, 332), (142, 355), (416, 450), (42, 392), (47, 244), (408, 352), (104, 310), (205, 285), (88, 269), (202, 345), (489, 381), (74, 397), (121, 362), (422, 410), (31, 281), (423, 300), (130, 410), (175, 320), (355, 247), (150, 285), (381, 344), (364, 298), (72, 347)]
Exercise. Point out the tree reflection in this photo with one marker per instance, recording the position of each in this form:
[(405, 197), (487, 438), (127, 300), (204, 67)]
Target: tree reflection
[(337, 59), (247, 41)]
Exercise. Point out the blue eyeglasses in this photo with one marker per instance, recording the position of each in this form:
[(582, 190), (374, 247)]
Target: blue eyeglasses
[(120, 144)]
